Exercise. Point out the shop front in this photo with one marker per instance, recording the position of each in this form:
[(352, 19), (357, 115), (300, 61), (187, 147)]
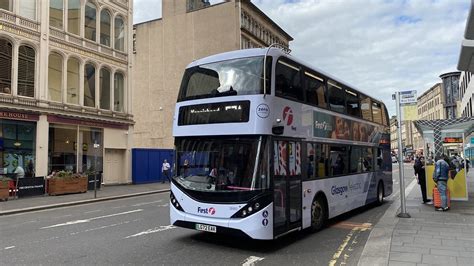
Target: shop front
[(18, 133), (17, 147), (78, 146)]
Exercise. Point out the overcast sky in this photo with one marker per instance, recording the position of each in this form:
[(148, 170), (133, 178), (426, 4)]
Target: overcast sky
[(378, 46)]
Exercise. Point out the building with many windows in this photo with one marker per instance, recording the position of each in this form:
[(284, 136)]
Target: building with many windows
[(466, 86), (65, 99), (188, 30), (466, 93), (430, 104), (450, 87)]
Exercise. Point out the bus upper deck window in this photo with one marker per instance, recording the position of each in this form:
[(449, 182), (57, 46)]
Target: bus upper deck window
[(337, 97), (288, 81), (365, 107), (315, 90), (352, 103), (377, 112)]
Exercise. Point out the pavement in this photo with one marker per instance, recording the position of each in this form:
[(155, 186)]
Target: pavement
[(111, 192), (428, 237)]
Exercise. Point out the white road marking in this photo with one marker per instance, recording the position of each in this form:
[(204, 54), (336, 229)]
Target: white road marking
[(93, 211), (163, 205), (68, 215), (98, 228), (10, 247), (146, 203), (251, 260), (90, 219), (119, 207), (154, 230)]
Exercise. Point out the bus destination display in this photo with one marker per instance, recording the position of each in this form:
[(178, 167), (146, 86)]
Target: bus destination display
[(211, 113)]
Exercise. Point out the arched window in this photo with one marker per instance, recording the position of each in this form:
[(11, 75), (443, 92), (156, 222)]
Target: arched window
[(104, 89), (118, 92), (73, 81), (5, 66), (73, 16), (105, 27), (55, 77), (90, 21), (56, 13), (89, 85), (26, 71), (28, 9), (6, 4), (119, 34)]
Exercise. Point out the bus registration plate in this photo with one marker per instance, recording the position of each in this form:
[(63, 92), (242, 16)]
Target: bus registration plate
[(207, 228)]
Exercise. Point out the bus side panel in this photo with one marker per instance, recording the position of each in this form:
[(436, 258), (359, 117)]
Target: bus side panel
[(343, 194)]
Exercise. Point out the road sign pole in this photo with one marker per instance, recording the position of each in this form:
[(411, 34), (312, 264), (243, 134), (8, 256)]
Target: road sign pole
[(403, 213)]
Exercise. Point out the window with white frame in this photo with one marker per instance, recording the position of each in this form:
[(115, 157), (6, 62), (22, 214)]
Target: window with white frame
[(119, 90), (6, 50), (28, 9), (26, 71), (105, 27), (72, 81), (56, 13), (6, 5), (104, 89), (89, 85), (119, 34), (73, 16), (55, 77), (90, 17)]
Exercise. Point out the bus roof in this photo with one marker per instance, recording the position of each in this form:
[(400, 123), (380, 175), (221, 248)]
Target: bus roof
[(272, 52)]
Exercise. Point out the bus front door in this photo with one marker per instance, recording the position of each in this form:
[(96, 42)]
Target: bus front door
[(287, 186)]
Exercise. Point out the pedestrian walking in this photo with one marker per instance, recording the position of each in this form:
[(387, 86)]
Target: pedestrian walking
[(419, 167), (165, 169), (440, 177)]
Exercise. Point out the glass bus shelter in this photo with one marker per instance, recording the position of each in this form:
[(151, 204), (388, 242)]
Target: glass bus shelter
[(449, 137)]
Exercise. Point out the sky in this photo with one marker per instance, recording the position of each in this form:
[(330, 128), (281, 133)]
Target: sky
[(376, 46)]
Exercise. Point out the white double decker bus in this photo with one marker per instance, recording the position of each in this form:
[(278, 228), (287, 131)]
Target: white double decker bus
[(262, 157)]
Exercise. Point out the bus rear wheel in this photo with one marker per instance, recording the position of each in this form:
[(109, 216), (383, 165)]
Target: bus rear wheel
[(319, 214), (380, 193)]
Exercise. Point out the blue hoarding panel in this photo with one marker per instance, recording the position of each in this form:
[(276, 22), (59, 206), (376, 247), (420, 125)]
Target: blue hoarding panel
[(147, 163)]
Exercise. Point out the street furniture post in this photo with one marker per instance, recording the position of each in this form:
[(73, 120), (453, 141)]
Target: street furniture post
[(403, 213)]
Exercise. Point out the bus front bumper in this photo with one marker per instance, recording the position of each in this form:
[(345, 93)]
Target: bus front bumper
[(256, 226)]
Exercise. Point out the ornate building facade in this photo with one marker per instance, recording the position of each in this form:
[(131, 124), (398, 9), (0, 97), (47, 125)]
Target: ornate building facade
[(65, 98)]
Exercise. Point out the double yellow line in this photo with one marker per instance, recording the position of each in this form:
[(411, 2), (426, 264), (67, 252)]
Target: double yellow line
[(356, 228)]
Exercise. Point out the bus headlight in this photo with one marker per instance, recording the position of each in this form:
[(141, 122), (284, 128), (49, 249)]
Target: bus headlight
[(175, 202), (254, 205)]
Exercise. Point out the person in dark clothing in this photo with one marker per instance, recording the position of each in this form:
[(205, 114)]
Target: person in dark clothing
[(440, 177), (419, 167)]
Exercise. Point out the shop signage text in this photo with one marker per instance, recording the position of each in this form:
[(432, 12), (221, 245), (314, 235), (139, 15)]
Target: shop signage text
[(19, 116), (452, 140)]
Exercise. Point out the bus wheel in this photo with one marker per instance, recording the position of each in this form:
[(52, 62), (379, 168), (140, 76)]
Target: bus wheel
[(380, 194), (319, 214)]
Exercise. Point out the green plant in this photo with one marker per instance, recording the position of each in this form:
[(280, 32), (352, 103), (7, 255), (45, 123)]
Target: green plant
[(66, 174), (4, 180), (90, 171)]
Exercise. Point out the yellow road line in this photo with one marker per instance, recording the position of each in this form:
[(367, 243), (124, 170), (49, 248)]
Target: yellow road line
[(356, 228)]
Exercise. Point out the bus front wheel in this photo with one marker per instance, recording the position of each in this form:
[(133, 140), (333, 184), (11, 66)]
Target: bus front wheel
[(319, 214)]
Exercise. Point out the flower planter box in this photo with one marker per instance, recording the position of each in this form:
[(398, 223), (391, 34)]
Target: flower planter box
[(4, 191), (67, 185)]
